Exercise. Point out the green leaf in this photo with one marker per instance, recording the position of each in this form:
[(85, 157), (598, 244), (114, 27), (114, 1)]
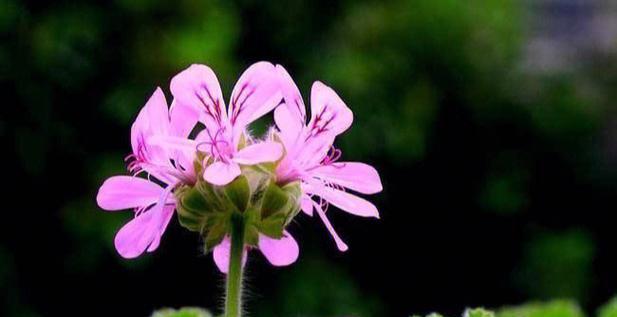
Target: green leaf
[(182, 312), (609, 309), (557, 308), (478, 312)]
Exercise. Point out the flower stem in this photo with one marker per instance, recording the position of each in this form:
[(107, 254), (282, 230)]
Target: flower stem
[(233, 298)]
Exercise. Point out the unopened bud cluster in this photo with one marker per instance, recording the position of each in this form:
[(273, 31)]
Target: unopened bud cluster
[(266, 207)]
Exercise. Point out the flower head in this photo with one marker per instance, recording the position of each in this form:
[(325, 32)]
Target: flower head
[(151, 200), (312, 158), (201, 177), (196, 159), (255, 94)]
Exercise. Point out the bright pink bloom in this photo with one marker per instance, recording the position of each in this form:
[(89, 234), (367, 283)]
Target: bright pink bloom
[(312, 159), (279, 252), (256, 93), (163, 151), (153, 203)]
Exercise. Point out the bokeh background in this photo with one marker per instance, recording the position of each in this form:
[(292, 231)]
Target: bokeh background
[(492, 123)]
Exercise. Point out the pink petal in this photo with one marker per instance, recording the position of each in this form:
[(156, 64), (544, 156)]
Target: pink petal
[(124, 192), (256, 93), (140, 233), (145, 230), (183, 119), (182, 150), (158, 113), (360, 177), (279, 252), (167, 213), (290, 118), (261, 152), (171, 142), (313, 150), (328, 112), (290, 127), (345, 201), (134, 237), (291, 94), (221, 255), (153, 119), (339, 242), (306, 204), (198, 87), (220, 173)]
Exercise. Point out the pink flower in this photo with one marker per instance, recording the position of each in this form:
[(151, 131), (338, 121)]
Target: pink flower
[(152, 202), (163, 151), (279, 252), (255, 94), (312, 159)]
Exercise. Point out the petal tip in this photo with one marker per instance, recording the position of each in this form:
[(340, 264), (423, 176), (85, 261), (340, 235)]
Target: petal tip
[(342, 246)]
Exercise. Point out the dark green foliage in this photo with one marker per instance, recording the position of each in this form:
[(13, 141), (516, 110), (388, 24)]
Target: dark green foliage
[(557, 308)]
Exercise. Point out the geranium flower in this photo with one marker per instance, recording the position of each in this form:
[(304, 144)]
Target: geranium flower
[(256, 93), (152, 203), (312, 159)]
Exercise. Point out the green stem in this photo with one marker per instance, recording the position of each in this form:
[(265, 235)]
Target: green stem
[(233, 298)]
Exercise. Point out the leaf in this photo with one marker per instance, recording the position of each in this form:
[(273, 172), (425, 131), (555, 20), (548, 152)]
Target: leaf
[(609, 309), (182, 312), (478, 312), (557, 308)]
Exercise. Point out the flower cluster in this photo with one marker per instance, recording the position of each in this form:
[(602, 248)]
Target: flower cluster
[(197, 158)]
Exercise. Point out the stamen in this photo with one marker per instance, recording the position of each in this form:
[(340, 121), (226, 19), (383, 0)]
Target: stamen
[(333, 155), (218, 145), (339, 242)]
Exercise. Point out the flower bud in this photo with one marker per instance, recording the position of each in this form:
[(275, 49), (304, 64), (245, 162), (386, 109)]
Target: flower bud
[(266, 207)]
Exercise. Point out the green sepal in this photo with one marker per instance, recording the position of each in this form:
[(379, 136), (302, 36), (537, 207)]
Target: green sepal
[(273, 226), (194, 201), (251, 220), (251, 235), (238, 192), (217, 228), (192, 208), (294, 192), (274, 201), (266, 207)]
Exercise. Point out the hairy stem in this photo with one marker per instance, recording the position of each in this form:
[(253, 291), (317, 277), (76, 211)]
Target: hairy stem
[(233, 298)]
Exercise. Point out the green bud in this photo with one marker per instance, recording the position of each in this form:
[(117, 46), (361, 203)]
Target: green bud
[(266, 207)]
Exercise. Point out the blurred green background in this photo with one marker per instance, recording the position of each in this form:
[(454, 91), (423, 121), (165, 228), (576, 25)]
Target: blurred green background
[(492, 123)]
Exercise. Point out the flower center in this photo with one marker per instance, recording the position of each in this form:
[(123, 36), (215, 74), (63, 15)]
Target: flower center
[(333, 155), (217, 146), (136, 160)]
